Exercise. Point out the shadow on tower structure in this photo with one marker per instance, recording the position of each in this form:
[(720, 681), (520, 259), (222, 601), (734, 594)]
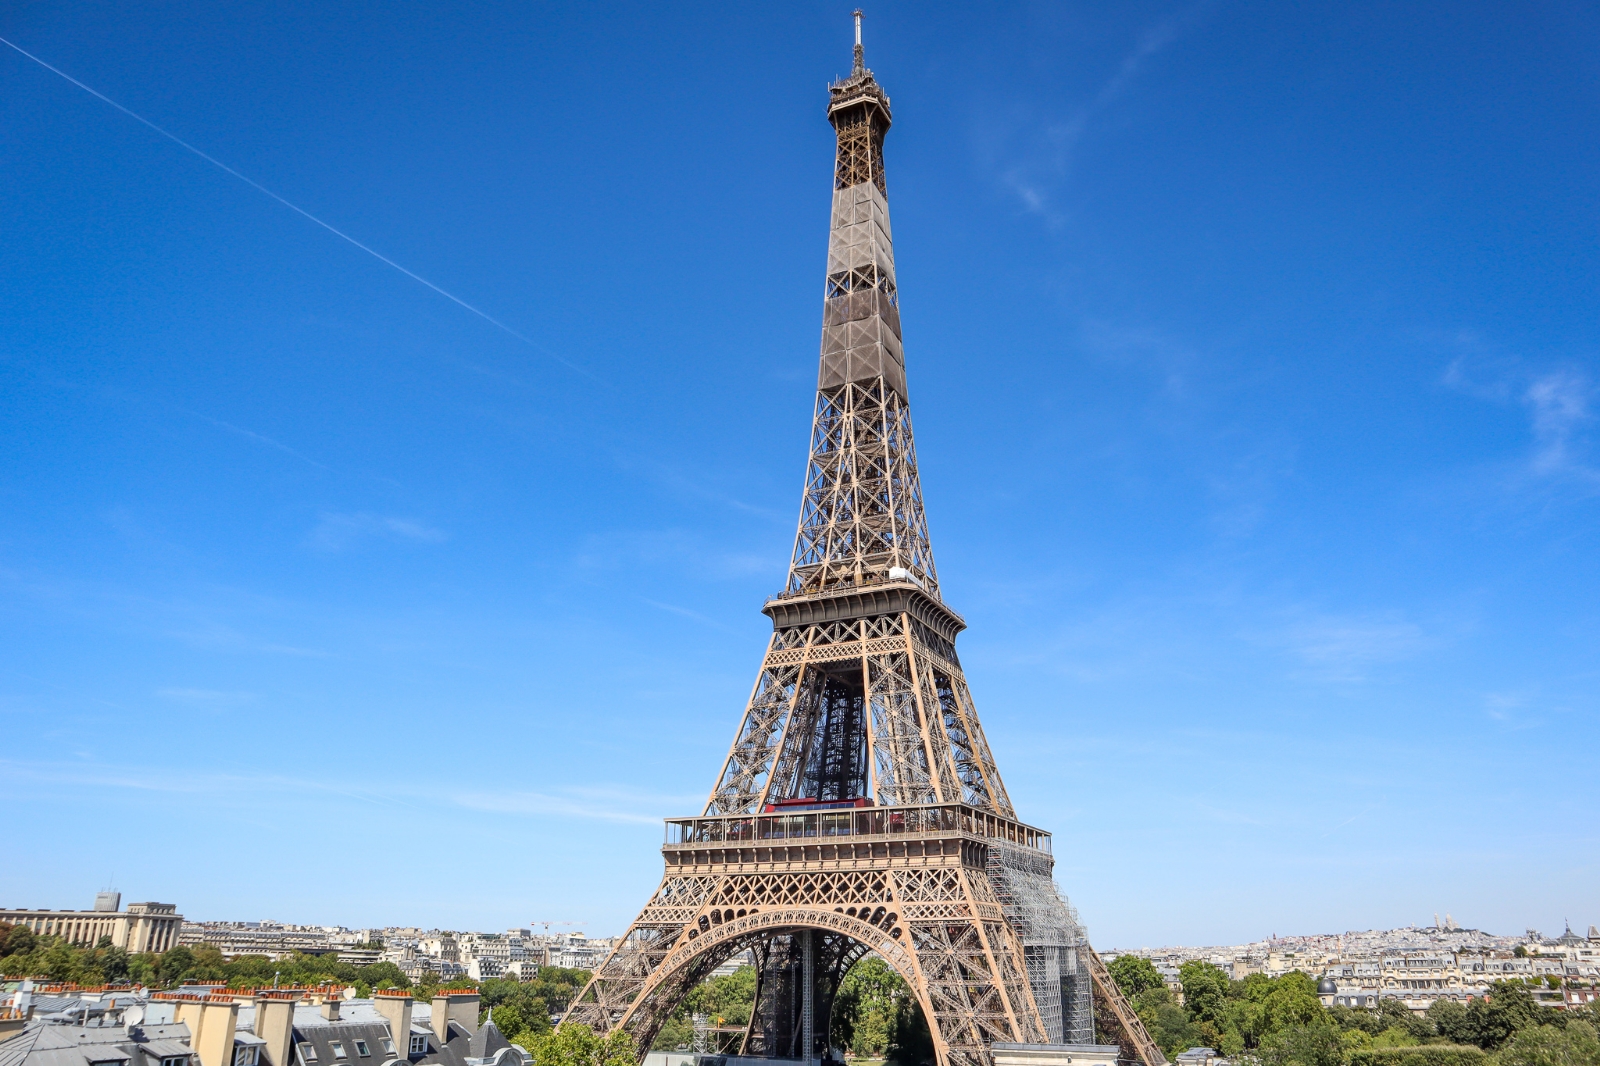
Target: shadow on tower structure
[(859, 808)]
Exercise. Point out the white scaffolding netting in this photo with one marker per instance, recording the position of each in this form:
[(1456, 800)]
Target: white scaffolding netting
[(1051, 936)]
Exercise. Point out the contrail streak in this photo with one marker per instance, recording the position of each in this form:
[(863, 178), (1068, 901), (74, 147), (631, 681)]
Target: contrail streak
[(297, 209)]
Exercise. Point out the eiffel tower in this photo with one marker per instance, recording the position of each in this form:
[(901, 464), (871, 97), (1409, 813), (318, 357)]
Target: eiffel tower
[(860, 809)]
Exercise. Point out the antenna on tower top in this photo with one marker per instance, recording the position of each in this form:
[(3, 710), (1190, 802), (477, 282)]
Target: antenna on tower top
[(860, 61)]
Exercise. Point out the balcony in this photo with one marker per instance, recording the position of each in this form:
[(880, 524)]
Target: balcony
[(864, 824)]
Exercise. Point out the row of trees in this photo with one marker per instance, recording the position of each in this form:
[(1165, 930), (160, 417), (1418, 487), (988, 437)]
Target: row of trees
[(1281, 1022), (22, 954), (522, 1009)]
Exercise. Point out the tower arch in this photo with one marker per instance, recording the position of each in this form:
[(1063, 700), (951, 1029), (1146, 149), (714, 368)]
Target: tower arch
[(837, 941)]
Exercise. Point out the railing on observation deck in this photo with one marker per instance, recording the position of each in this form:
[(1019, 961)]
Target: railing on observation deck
[(889, 822), (851, 584)]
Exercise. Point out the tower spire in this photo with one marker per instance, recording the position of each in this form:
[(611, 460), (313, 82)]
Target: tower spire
[(860, 56), (861, 516)]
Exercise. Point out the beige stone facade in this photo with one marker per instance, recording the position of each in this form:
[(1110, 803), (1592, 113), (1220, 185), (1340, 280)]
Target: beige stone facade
[(142, 927)]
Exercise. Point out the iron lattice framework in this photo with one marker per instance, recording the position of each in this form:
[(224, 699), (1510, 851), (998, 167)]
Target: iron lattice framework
[(859, 808)]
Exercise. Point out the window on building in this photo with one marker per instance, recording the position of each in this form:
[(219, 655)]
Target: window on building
[(245, 1055), (175, 1060), (362, 1049), (388, 1046), (308, 1053), (338, 1049), (419, 1044)]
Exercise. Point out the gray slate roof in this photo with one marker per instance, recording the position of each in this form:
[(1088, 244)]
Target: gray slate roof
[(44, 1044)]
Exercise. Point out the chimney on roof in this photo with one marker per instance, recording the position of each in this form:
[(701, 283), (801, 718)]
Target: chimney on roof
[(396, 1007), (211, 1025), (456, 1006), (275, 1025), (330, 1008)]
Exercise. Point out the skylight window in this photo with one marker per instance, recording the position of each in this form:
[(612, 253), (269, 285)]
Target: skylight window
[(338, 1049), (362, 1049)]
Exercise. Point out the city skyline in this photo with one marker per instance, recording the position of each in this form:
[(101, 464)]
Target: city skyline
[(1272, 514)]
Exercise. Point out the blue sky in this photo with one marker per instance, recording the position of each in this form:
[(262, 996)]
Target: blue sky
[(1253, 357)]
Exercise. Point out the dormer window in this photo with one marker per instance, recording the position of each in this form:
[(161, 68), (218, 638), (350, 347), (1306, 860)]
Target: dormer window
[(338, 1050), (362, 1049), (388, 1046), (245, 1055), (308, 1053), (419, 1044)]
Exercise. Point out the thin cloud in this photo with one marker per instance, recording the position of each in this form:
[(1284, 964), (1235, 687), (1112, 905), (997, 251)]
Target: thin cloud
[(679, 481), (606, 804), (1346, 648), (541, 803), (204, 695), (1355, 641), (1048, 161), (258, 438), (336, 532), (680, 550), (686, 613), (1512, 710), (1558, 403)]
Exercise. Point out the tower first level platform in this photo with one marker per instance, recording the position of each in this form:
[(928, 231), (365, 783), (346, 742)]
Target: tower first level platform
[(811, 891)]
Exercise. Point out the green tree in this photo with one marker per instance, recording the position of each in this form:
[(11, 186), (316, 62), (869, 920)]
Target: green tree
[(1168, 1023), (507, 1018), (675, 1034), (383, 975), (577, 1045), (1318, 1044), (1134, 974), (865, 1007), (1291, 1002), (1576, 1044), (1205, 991), (114, 963), (1395, 1036), (1451, 1021), (60, 962), (142, 968), (1495, 1019), (726, 1000), (557, 986), (1354, 1019), (501, 993), (19, 941), (910, 1040), (174, 965)]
